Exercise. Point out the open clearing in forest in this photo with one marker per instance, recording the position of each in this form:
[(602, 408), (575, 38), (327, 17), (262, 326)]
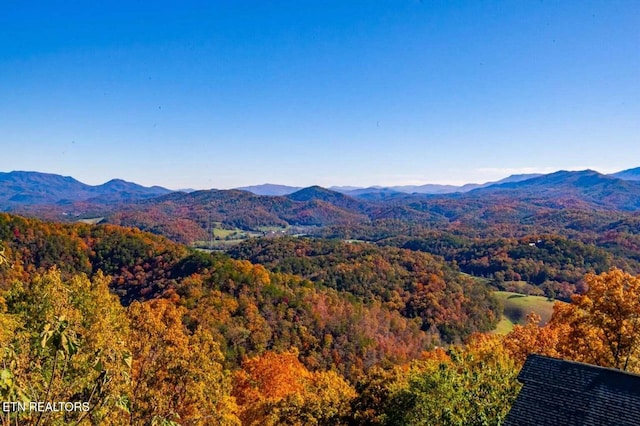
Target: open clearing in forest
[(518, 306)]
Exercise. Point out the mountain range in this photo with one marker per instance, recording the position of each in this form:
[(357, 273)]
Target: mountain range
[(382, 191), (28, 188), (588, 186), (385, 191), (273, 189), (562, 199), (558, 198), (20, 188)]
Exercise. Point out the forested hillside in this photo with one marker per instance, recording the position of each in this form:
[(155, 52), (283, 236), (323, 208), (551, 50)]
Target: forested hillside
[(250, 308), (172, 298), (549, 264), (146, 331), (412, 283)]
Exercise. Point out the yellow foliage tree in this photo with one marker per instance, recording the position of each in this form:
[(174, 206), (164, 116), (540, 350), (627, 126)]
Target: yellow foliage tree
[(177, 375), (68, 345)]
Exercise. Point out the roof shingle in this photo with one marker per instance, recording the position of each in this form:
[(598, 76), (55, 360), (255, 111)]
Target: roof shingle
[(559, 392)]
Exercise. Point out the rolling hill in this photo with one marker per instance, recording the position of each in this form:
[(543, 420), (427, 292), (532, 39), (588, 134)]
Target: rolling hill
[(186, 217)]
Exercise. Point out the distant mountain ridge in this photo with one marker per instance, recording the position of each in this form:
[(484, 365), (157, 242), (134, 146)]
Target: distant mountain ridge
[(27, 187), (589, 186), (378, 192), (438, 189), (187, 216), (54, 196), (514, 199), (270, 189), (20, 188), (385, 191), (629, 174)]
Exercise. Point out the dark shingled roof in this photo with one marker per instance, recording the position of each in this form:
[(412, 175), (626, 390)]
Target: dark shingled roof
[(559, 392)]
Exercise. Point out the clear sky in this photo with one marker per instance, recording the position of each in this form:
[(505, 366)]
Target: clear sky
[(335, 92)]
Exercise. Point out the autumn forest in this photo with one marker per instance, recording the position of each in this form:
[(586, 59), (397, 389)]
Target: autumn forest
[(318, 308)]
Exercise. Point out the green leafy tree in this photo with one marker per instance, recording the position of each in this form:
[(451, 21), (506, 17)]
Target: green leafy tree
[(472, 386)]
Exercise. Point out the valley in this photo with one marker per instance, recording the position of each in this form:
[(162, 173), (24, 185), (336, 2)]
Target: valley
[(341, 302)]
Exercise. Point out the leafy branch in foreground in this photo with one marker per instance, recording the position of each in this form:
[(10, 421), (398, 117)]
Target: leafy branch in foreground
[(68, 345)]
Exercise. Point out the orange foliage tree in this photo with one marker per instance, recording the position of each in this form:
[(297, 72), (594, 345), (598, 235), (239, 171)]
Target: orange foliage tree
[(599, 327), (276, 389), (531, 338), (604, 323)]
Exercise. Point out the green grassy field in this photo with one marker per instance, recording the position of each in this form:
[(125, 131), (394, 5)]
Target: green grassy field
[(224, 233), (518, 306), (273, 228), (224, 238), (92, 220)]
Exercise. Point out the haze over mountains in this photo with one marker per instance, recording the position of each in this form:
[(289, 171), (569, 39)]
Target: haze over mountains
[(272, 189)]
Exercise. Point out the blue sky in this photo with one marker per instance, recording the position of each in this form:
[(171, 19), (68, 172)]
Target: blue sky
[(230, 93)]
